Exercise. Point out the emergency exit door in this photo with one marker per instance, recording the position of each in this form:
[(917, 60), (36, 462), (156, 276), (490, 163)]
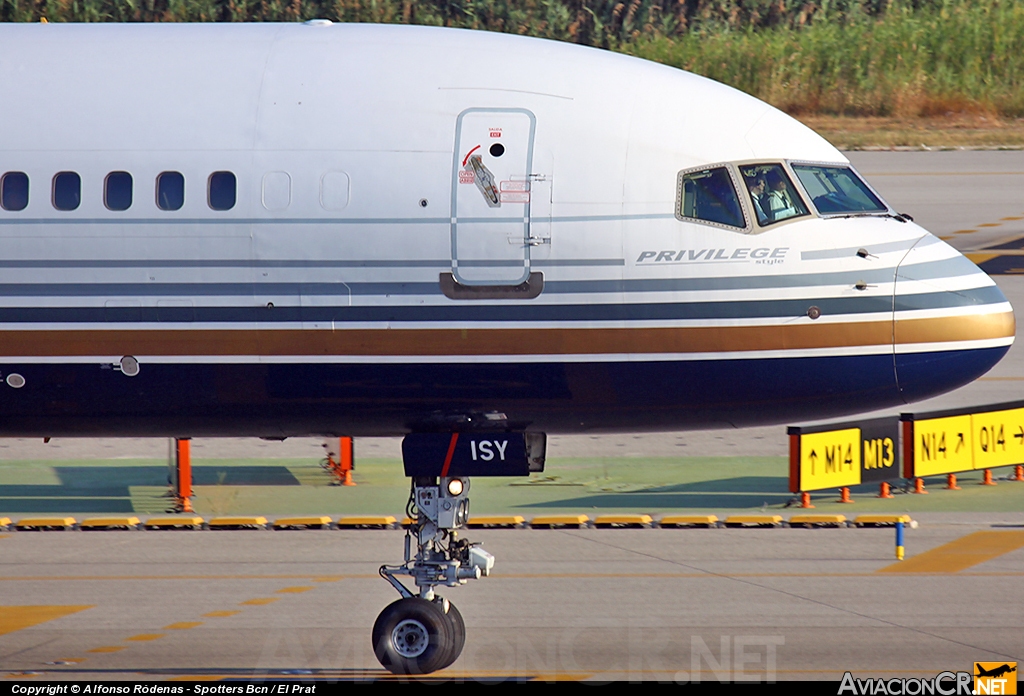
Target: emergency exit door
[(491, 196)]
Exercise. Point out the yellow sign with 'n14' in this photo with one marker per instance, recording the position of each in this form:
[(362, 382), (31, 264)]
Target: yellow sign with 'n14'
[(998, 438), (942, 445), (830, 459)]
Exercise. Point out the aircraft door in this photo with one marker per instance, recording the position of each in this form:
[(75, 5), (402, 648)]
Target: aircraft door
[(491, 182)]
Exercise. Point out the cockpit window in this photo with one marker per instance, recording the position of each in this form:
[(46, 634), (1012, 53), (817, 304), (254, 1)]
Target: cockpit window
[(709, 195), (772, 195), (837, 190)]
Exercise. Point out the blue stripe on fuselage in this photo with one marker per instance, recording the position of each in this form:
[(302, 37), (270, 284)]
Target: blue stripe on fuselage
[(382, 399)]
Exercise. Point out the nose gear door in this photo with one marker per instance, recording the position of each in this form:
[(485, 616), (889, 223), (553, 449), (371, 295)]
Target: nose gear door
[(490, 225)]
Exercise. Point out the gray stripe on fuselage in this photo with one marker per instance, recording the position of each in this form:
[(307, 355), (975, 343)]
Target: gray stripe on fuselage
[(224, 221), (441, 264), (946, 268), (875, 249), (517, 312), (71, 220)]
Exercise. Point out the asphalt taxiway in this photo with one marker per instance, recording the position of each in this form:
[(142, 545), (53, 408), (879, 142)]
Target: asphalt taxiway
[(669, 605)]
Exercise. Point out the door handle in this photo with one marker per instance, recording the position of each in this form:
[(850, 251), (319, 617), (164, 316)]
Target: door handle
[(529, 241)]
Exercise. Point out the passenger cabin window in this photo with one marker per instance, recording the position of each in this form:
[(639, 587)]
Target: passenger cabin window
[(837, 190), (67, 191), (220, 192), (14, 191), (170, 191), (117, 191), (709, 195), (772, 195)]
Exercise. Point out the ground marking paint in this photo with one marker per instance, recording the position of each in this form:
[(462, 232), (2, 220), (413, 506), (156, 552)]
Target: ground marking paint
[(15, 618), (960, 554)]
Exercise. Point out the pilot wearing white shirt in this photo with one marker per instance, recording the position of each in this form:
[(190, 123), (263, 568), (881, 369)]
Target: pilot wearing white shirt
[(778, 202)]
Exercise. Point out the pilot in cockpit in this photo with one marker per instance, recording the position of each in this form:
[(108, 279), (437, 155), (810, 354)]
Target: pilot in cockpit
[(780, 205), (756, 186)]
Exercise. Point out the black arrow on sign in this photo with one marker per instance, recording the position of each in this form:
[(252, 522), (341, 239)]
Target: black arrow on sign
[(1020, 435), (959, 443)]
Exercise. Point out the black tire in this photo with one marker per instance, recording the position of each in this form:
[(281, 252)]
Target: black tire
[(458, 627), (412, 636)]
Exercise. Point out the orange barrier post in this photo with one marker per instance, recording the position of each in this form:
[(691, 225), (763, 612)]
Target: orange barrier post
[(844, 495), (347, 460), (883, 491), (987, 480), (1018, 473), (183, 450), (805, 500), (951, 483), (919, 486)]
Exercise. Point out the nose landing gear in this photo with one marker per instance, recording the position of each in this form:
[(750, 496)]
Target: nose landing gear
[(423, 632)]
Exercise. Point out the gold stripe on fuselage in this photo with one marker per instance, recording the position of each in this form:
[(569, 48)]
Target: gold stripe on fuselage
[(946, 329), (502, 341)]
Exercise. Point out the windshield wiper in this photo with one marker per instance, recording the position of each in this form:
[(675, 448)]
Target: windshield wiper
[(901, 217)]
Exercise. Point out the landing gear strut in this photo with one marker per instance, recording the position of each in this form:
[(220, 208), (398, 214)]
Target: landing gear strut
[(423, 632)]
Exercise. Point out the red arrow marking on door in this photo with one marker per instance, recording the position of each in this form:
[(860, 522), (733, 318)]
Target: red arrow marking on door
[(468, 154)]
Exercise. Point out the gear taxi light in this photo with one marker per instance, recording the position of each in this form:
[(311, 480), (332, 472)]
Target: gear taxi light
[(455, 487)]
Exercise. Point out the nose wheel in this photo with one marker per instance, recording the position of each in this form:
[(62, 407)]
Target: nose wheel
[(417, 636)]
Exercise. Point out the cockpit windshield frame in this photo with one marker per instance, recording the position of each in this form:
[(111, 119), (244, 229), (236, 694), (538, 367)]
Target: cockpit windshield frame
[(885, 210), (736, 189), (755, 220)]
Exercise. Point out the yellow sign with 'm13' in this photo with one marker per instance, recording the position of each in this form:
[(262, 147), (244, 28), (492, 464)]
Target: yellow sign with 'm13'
[(998, 438), (830, 459), (942, 445)]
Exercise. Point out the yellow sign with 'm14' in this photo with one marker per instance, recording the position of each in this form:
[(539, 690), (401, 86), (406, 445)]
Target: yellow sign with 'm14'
[(830, 459)]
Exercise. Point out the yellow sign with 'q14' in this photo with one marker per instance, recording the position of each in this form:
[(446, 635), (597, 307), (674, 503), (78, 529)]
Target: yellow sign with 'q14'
[(998, 438)]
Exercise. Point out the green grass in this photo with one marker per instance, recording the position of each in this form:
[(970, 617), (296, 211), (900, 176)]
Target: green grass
[(966, 55), (270, 487), (853, 57)]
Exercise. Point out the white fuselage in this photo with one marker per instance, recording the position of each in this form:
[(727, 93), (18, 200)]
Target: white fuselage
[(364, 249)]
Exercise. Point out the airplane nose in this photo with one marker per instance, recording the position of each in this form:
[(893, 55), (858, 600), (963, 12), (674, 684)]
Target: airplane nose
[(951, 323)]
